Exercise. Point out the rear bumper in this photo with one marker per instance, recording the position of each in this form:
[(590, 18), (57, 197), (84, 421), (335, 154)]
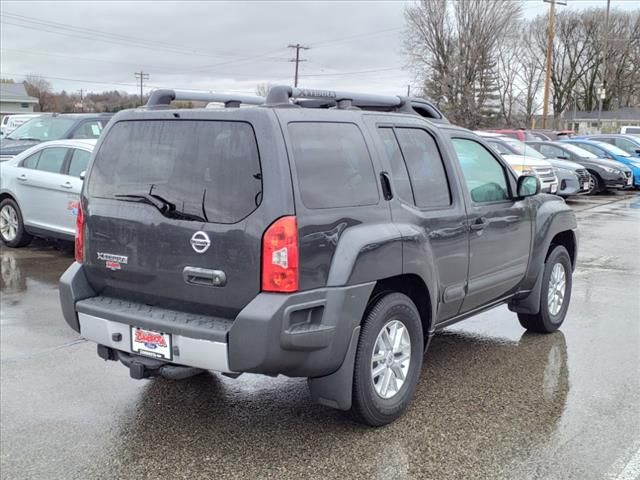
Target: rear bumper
[(303, 334)]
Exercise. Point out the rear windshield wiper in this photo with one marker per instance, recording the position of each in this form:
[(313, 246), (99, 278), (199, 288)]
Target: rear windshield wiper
[(164, 206)]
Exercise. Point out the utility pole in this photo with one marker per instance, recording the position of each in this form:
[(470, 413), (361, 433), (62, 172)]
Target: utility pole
[(602, 92), (81, 100), (298, 47), (408, 90), (547, 70), (142, 77), (548, 62)]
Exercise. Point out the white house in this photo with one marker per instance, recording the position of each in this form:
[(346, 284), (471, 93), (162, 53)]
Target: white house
[(14, 99)]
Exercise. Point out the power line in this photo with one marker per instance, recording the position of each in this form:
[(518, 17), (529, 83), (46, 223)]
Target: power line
[(109, 37), (142, 76), (340, 74), (298, 47), (355, 37)]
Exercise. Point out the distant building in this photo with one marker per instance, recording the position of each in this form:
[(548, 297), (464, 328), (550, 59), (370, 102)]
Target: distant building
[(14, 99), (612, 120)]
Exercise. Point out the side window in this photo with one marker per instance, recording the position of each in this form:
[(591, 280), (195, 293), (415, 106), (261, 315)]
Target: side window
[(484, 175), (625, 145), (91, 129), (426, 171), (592, 149), (52, 159), (398, 168), (31, 161), (551, 151), (333, 165), (79, 162)]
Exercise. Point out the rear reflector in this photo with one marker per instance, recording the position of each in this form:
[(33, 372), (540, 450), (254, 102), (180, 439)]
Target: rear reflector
[(280, 256), (79, 235)]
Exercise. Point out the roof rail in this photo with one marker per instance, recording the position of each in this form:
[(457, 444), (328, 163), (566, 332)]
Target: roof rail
[(282, 95), (163, 97)]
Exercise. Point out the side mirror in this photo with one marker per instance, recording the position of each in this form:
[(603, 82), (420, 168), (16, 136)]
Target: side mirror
[(528, 185), (82, 174), (638, 151)]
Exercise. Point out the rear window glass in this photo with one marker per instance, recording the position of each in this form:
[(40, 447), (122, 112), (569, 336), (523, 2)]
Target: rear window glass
[(333, 165), (209, 169)]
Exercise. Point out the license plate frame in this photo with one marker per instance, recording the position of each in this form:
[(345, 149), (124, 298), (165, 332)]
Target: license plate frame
[(151, 343), (585, 186), (554, 188), (629, 180)]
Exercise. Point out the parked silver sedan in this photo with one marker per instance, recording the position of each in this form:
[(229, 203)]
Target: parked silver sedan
[(40, 191)]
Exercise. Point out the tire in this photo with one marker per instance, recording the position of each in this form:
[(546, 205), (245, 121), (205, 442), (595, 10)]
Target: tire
[(551, 314), (12, 230), (596, 184), (371, 403)]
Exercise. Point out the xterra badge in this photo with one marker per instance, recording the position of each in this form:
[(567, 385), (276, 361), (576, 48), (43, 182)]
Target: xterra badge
[(113, 262)]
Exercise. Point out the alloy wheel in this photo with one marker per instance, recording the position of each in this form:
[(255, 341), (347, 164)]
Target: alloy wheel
[(390, 359)]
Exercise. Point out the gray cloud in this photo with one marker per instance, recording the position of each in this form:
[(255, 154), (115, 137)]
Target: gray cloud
[(206, 45)]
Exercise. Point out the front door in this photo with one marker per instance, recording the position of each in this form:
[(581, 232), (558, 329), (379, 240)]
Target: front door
[(500, 225)]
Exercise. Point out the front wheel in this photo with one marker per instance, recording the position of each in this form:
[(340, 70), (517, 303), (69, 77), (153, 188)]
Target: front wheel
[(388, 360), (555, 295)]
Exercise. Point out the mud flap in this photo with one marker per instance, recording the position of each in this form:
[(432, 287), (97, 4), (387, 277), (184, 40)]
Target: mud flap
[(335, 390)]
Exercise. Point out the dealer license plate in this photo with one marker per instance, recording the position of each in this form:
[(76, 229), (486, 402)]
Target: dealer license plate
[(150, 343), (554, 188), (585, 186), (629, 180)]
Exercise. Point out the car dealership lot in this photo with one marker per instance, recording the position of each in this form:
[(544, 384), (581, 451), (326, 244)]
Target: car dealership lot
[(492, 402)]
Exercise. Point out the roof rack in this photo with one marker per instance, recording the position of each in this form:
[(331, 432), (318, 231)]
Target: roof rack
[(162, 98), (283, 96), (286, 96)]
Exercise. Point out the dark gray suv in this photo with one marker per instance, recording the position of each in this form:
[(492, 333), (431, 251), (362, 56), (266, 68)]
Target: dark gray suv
[(317, 234)]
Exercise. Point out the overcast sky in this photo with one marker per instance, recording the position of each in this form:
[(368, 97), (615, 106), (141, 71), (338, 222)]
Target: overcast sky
[(213, 45)]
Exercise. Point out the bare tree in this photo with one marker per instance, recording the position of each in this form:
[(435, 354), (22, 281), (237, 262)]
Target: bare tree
[(40, 88), (453, 50), (262, 89)]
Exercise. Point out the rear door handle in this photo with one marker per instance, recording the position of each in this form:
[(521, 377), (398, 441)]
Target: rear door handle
[(480, 224), (66, 185), (204, 277), (22, 178)]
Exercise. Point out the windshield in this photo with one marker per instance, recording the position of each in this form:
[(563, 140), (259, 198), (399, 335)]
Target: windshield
[(523, 149), (581, 152), (187, 169), (42, 129), (612, 149)]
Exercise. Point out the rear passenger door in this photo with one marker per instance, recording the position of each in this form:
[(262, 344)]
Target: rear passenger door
[(337, 193), (426, 196), (500, 224), (77, 162)]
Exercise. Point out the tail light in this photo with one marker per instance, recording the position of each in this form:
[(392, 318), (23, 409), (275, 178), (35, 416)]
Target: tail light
[(79, 234), (280, 256)]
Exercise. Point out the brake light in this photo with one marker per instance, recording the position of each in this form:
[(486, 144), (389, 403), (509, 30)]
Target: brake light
[(280, 256), (79, 234)]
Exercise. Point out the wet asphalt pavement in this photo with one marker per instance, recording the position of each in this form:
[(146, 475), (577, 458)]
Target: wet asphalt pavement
[(493, 402)]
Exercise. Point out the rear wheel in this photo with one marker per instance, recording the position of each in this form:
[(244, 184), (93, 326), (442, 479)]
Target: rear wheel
[(555, 295), (12, 229), (388, 360)]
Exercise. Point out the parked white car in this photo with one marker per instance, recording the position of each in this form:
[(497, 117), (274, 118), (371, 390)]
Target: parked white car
[(40, 191), (524, 164), (11, 122)]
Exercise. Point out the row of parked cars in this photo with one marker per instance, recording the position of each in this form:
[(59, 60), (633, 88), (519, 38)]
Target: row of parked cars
[(45, 157), (587, 164)]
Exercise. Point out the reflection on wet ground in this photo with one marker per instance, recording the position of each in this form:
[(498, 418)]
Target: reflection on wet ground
[(493, 402)]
